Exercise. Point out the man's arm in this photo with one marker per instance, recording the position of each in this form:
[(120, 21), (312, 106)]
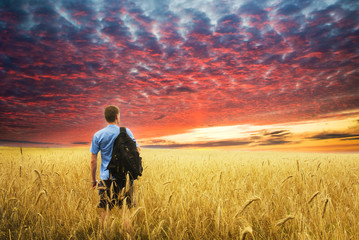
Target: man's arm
[(93, 169), (130, 134)]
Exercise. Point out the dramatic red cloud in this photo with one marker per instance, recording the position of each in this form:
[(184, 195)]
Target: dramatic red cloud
[(172, 68)]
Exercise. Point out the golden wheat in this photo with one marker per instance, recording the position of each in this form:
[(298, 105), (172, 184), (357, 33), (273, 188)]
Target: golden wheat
[(183, 194)]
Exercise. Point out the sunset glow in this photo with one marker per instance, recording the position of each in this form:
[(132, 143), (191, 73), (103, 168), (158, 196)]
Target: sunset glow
[(301, 136), (251, 75)]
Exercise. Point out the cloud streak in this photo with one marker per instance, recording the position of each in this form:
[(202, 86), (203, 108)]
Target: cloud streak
[(343, 136), (14, 142), (295, 136)]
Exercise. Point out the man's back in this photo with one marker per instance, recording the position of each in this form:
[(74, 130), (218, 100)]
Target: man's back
[(103, 141)]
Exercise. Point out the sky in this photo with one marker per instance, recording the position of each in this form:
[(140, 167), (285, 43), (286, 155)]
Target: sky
[(249, 75)]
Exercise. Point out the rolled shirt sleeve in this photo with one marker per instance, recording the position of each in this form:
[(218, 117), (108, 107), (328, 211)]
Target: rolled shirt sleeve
[(95, 148)]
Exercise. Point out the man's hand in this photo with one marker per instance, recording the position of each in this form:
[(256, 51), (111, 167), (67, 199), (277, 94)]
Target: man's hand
[(93, 169), (94, 184)]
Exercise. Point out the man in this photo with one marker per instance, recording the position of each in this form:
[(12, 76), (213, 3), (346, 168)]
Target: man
[(103, 141)]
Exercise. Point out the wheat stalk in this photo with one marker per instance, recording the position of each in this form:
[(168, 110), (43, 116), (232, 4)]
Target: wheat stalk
[(247, 231), (42, 192), (297, 165), (218, 220), (325, 206), (136, 212), (284, 220), (287, 179), (314, 195), (246, 205), (38, 176), (78, 204), (21, 154), (318, 166), (23, 220), (169, 199)]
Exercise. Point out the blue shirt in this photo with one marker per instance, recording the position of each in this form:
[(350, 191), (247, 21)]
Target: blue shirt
[(103, 141)]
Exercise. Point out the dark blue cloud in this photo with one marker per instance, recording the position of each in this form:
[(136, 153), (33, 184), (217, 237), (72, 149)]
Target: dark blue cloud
[(252, 9), (160, 117), (20, 142), (279, 133), (21, 88), (228, 143), (229, 24), (116, 29), (180, 90), (44, 12), (289, 9), (81, 143), (274, 142), (79, 6), (344, 136)]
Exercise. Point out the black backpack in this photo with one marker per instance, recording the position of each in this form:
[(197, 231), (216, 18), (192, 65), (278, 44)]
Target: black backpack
[(125, 157)]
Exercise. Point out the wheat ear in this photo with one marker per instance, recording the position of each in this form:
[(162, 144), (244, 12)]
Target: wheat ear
[(284, 220)]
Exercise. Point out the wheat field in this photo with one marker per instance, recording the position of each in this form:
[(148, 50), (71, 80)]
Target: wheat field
[(183, 194)]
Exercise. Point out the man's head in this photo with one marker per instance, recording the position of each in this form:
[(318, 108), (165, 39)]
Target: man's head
[(111, 113)]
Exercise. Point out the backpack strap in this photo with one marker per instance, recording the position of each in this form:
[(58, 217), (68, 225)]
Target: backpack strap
[(123, 130)]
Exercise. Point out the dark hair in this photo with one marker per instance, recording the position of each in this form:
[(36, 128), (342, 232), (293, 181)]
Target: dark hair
[(110, 113)]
